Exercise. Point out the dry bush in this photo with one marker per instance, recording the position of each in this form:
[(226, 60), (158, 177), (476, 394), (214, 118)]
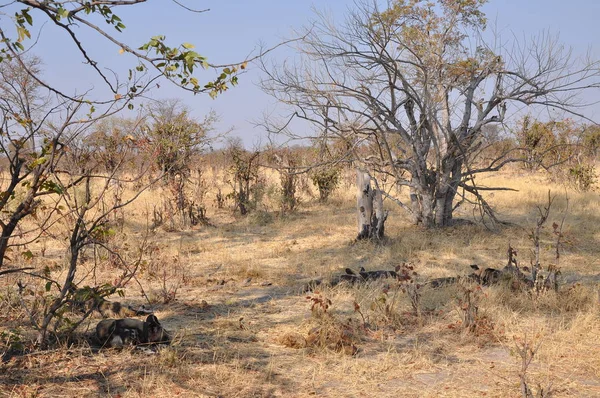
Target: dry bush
[(569, 300), (330, 331), (526, 349)]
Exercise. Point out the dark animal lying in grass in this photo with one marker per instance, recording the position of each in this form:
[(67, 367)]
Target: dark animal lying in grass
[(91, 299), (120, 332), (450, 280), (486, 277), (364, 275), (440, 282), (351, 277)]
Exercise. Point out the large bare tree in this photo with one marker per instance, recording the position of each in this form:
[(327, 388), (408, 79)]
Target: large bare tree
[(411, 86)]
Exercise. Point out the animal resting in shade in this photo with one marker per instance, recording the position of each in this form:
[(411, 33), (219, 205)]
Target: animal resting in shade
[(119, 332)]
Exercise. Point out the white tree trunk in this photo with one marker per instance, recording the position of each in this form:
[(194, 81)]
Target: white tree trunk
[(364, 203), (369, 208)]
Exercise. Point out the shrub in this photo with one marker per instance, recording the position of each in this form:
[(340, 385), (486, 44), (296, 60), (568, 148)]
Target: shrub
[(326, 180), (582, 177)]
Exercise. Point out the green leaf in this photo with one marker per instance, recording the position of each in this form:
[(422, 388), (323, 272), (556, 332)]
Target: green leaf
[(130, 106), (22, 33), (48, 286), (38, 162), (27, 17), (187, 46), (62, 13), (51, 186)]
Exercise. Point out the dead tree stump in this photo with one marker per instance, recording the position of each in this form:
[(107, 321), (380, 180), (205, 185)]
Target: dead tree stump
[(369, 206)]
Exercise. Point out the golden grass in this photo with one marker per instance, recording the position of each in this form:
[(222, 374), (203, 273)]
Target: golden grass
[(242, 326)]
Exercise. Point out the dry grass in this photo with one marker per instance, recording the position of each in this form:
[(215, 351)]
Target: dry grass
[(243, 328)]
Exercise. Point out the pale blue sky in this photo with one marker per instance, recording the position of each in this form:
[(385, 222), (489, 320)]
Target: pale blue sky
[(234, 28)]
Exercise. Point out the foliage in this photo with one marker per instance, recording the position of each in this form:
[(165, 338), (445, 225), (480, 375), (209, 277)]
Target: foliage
[(155, 58), (110, 138), (175, 137), (331, 332), (546, 144), (590, 141), (583, 177)]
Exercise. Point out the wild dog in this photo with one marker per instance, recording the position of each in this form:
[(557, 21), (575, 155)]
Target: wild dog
[(364, 275), (486, 276), (439, 282), (119, 332), (450, 280), (492, 276), (88, 299), (349, 276)]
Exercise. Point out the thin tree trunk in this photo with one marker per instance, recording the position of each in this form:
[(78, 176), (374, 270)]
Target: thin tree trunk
[(415, 204), (379, 216), (364, 204), (371, 216)]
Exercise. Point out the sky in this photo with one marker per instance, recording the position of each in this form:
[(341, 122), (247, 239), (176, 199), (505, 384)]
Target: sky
[(235, 29)]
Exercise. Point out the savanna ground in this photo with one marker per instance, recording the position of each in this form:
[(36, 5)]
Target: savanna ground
[(232, 296)]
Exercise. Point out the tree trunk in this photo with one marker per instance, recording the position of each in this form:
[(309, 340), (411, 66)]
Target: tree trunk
[(379, 215), (428, 210), (446, 192), (364, 204), (415, 205), (369, 206)]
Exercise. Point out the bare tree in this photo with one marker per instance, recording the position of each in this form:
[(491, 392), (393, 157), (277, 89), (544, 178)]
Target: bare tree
[(32, 146), (411, 88)]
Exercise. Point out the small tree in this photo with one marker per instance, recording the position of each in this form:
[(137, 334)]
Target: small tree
[(244, 174), (286, 166), (176, 137), (326, 179), (175, 140)]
